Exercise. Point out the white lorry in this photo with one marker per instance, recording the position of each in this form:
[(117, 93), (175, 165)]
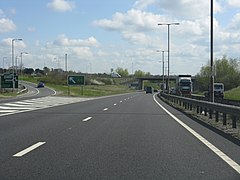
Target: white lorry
[(218, 91), (184, 85)]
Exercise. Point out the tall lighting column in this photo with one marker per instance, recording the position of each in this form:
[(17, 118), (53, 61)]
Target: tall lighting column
[(168, 25), (211, 91), (21, 65), (13, 80), (162, 68)]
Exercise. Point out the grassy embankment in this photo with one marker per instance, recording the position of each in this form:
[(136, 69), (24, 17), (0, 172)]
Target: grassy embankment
[(87, 90), (233, 94)]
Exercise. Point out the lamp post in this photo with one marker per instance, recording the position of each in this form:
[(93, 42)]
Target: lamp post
[(211, 90), (168, 25), (21, 64), (162, 68), (13, 80), (4, 62)]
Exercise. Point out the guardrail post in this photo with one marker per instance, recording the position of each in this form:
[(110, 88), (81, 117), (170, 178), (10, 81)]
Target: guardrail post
[(198, 109), (185, 105), (205, 111), (217, 116), (234, 122), (224, 119), (210, 113)]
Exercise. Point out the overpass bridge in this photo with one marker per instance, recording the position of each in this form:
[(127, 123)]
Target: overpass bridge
[(157, 78)]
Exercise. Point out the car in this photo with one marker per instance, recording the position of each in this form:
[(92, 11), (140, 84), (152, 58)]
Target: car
[(149, 89), (40, 85)]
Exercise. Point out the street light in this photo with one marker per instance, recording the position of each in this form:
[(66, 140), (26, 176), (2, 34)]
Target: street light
[(168, 25), (162, 68), (4, 62), (13, 81), (211, 90), (21, 65)]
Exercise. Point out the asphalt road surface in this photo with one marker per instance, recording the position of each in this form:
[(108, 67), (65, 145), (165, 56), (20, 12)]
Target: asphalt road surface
[(131, 136), (32, 92)]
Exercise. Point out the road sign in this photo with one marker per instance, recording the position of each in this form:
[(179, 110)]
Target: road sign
[(76, 80), (7, 81)]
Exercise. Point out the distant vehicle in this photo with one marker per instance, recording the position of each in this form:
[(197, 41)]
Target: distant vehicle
[(149, 89), (173, 91), (40, 85), (218, 91), (184, 85), (115, 75)]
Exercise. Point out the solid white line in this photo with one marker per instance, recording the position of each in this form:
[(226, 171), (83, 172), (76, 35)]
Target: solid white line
[(87, 119), (105, 109), (217, 151), (29, 149)]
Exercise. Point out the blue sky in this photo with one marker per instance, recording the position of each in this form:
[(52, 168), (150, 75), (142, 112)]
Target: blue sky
[(100, 35)]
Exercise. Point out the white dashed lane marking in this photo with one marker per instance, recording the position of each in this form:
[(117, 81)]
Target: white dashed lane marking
[(29, 149), (87, 119)]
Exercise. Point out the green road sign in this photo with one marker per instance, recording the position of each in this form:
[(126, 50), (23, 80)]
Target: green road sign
[(7, 81), (76, 80)]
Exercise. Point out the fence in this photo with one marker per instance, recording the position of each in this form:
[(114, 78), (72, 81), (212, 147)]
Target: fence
[(208, 108)]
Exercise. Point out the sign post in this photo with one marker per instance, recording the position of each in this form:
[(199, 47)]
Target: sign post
[(75, 80)]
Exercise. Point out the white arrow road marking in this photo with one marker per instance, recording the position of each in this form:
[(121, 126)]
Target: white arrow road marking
[(115, 104), (105, 109), (87, 119), (29, 149)]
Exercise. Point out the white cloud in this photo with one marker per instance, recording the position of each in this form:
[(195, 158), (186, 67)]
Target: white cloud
[(6, 25), (61, 5), (235, 22), (187, 9), (62, 40), (133, 25), (143, 4), (17, 44), (83, 52), (234, 3), (132, 20)]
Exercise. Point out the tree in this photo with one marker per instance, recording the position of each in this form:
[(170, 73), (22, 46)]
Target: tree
[(46, 70), (28, 71), (139, 73), (39, 71), (226, 71), (122, 72)]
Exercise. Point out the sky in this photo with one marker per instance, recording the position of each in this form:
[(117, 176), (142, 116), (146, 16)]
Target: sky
[(100, 35)]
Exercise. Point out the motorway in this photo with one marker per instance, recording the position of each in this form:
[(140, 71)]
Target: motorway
[(130, 136)]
